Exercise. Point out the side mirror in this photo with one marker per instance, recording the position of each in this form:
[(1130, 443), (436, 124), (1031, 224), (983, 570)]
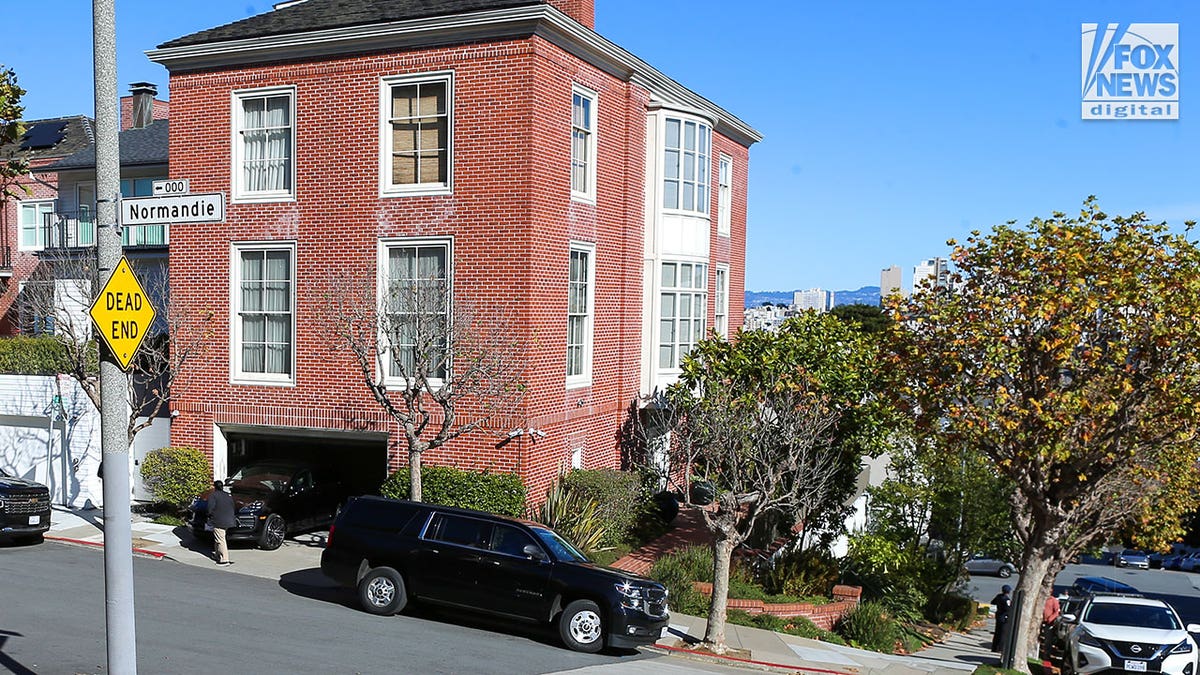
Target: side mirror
[(1193, 628), (1070, 618), (534, 552)]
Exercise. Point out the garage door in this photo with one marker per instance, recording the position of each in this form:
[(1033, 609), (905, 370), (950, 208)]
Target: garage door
[(360, 460)]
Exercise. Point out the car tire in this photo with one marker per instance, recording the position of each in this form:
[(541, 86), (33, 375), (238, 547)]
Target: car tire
[(1005, 572), (581, 627), (381, 591), (274, 531)]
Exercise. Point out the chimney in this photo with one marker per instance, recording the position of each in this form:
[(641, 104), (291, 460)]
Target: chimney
[(143, 94), (583, 11)]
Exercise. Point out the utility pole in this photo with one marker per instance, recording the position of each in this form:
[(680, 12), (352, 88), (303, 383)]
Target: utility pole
[(114, 392)]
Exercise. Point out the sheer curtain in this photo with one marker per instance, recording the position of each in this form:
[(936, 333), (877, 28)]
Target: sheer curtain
[(266, 312), (266, 144), (418, 303)]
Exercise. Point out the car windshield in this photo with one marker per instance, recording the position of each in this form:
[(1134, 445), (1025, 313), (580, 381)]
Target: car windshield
[(1133, 553), (273, 476), (559, 546), (1136, 616)]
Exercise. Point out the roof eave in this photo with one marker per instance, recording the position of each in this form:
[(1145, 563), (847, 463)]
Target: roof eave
[(509, 23)]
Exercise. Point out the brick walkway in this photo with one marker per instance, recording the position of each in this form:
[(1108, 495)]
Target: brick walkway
[(688, 530)]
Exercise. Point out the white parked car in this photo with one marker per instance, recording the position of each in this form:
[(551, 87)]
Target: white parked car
[(1129, 634)]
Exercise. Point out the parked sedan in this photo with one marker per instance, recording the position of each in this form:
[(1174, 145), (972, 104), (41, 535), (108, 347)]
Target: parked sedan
[(982, 564), (1132, 558), (275, 499), (1190, 562)]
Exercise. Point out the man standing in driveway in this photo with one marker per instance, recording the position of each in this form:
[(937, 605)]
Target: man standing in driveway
[(220, 516)]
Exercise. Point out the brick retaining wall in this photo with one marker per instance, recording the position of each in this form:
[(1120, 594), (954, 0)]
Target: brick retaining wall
[(845, 598)]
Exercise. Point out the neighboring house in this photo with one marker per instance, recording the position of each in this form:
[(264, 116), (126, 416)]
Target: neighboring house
[(55, 232), (534, 164)]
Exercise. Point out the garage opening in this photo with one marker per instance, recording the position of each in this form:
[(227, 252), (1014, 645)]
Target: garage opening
[(359, 460)]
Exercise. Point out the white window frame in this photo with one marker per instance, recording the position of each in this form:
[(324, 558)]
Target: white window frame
[(386, 188), (724, 194), (240, 193), (238, 374), (381, 286), (588, 194), (584, 377), (40, 208), (721, 300), (697, 297), (701, 177)]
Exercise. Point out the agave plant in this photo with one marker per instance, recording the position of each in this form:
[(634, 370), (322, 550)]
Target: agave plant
[(573, 516)]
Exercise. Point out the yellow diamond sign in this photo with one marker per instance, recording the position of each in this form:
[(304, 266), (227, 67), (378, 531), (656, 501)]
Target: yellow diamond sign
[(123, 313)]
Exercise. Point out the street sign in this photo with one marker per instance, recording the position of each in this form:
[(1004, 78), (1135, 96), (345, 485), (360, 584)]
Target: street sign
[(202, 207), (123, 313), (177, 186)]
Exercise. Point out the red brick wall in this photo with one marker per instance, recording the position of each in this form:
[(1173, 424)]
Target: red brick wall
[(583, 11), (161, 110), (511, 217), (43, 187)]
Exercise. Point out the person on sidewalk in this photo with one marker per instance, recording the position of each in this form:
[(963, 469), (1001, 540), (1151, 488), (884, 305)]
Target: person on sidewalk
[(1002, 602), (220, 517), (1050, 613)]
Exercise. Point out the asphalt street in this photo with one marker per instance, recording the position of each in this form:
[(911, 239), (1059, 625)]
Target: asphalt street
[(199, 620), (1180, 589)]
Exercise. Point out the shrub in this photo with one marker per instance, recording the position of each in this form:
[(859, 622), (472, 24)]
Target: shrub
[(502, 493), (678, 570), (23, 355), (176, 474), (954, 610), (803, 573), (870, 626), (573, 515), (620, 499)]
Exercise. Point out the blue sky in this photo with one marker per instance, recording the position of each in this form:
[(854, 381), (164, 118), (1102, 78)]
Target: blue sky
[(889, 126)]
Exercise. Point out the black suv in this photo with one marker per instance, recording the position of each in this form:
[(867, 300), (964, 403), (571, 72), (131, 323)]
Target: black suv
[(274, 499), (394, 551), (24, 508)]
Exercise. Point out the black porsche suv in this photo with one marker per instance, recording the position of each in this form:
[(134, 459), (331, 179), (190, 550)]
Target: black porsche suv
[(24, 508), (393, 552)]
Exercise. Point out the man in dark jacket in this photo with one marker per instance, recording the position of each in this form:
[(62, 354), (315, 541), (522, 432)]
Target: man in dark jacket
[(221, 517), (1003, 602)]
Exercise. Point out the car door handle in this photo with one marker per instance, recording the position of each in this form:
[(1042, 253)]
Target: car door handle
[(496, 563)]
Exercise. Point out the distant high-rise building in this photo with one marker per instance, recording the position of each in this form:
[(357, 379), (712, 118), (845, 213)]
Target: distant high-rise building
[(935, 269), (890, 282), (813, 298)]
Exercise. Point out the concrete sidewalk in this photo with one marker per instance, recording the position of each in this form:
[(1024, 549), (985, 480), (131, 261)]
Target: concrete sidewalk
[(767, 650)]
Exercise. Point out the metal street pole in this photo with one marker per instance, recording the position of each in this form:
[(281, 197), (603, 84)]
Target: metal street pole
[(114, 393)]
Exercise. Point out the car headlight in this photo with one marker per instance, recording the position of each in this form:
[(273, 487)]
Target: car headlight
[(1184, 647), (251, 507), (1086, 638), (631, 597)]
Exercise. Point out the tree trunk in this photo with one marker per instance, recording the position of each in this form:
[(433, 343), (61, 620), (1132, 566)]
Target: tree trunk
[(714, 634), (414, 473), (1034, 567)]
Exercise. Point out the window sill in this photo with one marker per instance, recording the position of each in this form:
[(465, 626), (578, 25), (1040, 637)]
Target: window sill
[(244, 380), (579, 381), (583, 198), (685, 212), (263, 199), (428, 190)]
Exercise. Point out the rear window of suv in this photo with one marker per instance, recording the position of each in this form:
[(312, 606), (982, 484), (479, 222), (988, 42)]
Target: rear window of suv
[(379, 515)]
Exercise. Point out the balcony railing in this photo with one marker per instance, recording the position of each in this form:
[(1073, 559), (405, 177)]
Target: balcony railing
[(78, 230)]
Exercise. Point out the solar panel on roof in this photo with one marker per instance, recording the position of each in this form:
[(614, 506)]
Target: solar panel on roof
[(43, 135)]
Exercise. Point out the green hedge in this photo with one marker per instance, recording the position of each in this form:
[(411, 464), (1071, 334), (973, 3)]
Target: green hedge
[(619, 495), (175, 474), (22, 355), (870, 626), (502, 493)]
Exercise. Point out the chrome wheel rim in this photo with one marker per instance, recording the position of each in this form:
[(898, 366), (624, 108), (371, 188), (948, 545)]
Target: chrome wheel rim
[(585, 627), (275, 531), (380, 592)]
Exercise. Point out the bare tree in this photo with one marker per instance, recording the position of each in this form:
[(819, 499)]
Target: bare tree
[(55, 301), (438, 367)]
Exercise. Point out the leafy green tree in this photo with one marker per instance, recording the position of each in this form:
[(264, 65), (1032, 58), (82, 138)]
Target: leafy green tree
[(759, 418), (1067, 355), (869, 318), (12, 166)]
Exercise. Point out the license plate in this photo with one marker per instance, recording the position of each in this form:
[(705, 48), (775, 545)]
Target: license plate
[(35, 520), (1135, 666)]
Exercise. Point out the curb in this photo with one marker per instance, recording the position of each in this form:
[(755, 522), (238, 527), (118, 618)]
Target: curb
[(764, 665), (157, 555)]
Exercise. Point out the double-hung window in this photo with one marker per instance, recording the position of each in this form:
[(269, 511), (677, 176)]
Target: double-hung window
[(265, 308), (583, 144), (34, 224), (721, 300), (579, 314), (416, 280), (724, 194), (416, 114), (683, 306), (264, 152), (685, 165)]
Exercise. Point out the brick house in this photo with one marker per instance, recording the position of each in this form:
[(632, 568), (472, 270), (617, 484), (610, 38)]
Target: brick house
[(530, 162)]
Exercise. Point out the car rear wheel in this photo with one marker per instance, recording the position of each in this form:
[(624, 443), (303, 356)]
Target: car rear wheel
[(1005, 572), (273, 532), (382, 591), (581, 627)]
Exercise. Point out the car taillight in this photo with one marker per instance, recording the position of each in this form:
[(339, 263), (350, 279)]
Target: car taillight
[(329, 539)]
